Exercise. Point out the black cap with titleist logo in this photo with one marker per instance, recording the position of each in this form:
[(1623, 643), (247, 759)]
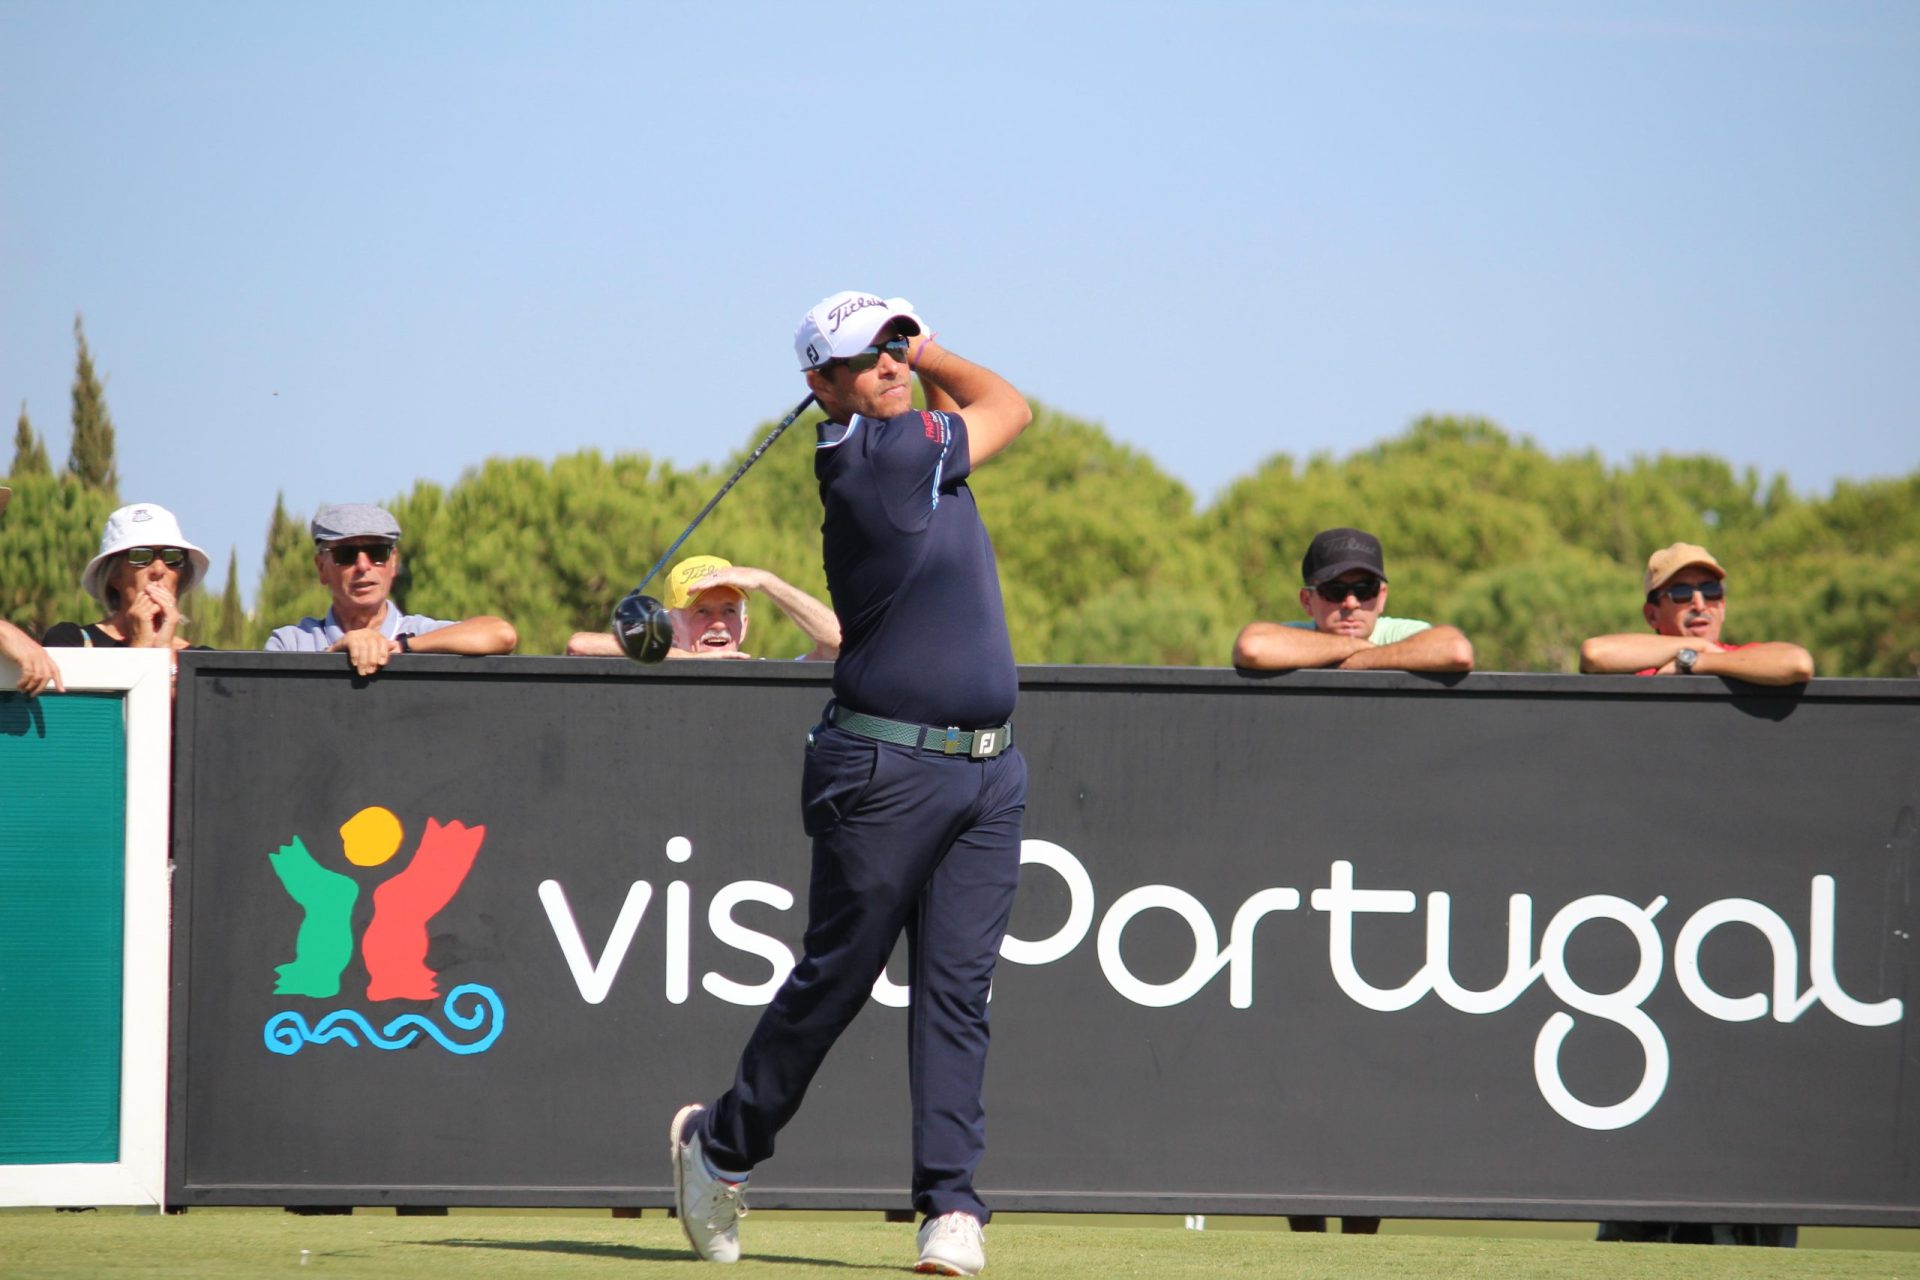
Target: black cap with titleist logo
[(1334, 551)]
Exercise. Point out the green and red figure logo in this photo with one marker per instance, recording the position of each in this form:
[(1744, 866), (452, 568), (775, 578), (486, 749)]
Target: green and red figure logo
[(393, 946)]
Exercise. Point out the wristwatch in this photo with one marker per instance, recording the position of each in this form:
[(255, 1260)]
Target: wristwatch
[(1683, 661)]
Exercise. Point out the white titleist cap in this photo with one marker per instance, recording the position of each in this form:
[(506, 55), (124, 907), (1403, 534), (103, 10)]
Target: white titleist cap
[(845, 324)]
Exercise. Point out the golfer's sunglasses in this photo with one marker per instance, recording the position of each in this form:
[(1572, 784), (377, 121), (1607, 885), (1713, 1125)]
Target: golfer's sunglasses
[(377, 554), (1682, 592), (172, 557), (1363, 590), (861, 361)]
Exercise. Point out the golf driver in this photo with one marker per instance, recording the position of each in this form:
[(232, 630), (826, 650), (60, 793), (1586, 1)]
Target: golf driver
[(641, 623)]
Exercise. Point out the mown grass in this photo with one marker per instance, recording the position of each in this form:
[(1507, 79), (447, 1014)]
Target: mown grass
[(220, 1242)]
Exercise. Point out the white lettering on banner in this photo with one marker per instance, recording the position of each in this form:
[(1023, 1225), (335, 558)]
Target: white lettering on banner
[(1622, 1007), (1045, 853), (1342, 903), (594, 979), (1208, 959), (736, 935)]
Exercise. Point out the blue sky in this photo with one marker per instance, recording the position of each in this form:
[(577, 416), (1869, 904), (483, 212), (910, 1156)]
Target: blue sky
[(332, 249)]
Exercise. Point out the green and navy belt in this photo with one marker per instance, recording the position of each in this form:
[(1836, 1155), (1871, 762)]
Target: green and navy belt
[(981, 744)]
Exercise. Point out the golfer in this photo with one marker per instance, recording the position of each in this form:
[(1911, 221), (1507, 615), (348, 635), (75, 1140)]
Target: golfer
[(912, 791)]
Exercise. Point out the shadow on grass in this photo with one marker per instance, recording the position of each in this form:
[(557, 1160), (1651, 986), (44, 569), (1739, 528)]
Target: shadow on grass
[(637, 1253)]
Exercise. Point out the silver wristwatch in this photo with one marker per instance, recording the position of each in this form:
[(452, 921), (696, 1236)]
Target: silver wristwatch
[(1683, 661)]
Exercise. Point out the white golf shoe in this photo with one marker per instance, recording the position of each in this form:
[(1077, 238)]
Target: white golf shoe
[(710, 1208), (953, 1244)]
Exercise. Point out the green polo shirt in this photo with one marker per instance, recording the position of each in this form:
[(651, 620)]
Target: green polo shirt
[(1385, 630)]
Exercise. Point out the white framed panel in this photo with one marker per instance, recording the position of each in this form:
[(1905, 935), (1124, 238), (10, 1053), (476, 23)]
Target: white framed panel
[(138, 1177)]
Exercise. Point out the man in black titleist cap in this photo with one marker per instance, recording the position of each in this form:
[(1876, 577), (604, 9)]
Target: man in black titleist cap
[(912, 791), (1345, 593)]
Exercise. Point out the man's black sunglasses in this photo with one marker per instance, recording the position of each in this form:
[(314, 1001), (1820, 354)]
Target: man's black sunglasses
[(172, 557), (1682, 592), (377, 553), (861, 361), (1362, 589)]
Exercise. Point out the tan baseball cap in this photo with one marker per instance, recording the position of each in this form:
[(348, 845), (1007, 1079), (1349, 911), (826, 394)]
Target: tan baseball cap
[(683, 580), (1667, 561)]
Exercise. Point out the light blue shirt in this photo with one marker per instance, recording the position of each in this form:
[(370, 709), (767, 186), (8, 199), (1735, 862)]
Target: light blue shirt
[(317, 635)]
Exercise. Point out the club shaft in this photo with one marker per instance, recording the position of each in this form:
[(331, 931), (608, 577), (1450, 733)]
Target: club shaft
[(732, 480)]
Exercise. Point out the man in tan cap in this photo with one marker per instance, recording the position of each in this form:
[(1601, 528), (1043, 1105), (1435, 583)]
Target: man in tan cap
[(707, 600), (1686, 607)]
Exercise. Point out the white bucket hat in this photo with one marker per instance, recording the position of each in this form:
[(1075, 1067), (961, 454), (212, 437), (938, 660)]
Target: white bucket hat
[(143, 524)]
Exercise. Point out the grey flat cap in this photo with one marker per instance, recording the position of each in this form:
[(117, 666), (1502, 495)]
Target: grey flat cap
[(344, 520)]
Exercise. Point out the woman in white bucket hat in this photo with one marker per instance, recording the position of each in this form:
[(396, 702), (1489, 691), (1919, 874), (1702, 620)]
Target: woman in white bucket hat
[(145, 565)]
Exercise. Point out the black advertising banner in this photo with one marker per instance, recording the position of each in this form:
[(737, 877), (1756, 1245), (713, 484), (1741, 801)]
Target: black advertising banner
[(1520, 946)]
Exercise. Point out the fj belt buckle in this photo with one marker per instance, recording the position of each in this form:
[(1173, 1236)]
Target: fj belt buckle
[(987, 743)]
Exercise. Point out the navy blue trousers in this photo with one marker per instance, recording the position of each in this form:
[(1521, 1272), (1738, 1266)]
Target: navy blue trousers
[(903, 840)]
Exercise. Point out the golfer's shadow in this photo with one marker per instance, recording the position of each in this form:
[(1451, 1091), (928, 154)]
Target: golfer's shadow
[(636, 1253)]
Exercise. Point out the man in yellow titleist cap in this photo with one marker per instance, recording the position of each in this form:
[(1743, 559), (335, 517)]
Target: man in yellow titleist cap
[(707, 599)]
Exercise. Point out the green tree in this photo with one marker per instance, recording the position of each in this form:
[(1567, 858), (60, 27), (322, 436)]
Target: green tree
[(289, 587), (52, 529), (552, 547), (1531, 615), (229, 625), (29, 450), (91, 457), (1103, 557)]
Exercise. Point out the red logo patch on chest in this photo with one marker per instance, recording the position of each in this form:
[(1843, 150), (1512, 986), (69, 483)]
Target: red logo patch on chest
[(932, 425)]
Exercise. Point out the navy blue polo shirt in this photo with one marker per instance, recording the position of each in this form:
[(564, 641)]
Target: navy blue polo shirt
[(911, 571)]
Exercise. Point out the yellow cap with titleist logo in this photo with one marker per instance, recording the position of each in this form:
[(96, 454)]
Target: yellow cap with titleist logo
[(683, 580)]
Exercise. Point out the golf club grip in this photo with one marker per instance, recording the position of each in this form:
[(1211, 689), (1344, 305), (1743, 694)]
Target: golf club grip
[(732, 480)]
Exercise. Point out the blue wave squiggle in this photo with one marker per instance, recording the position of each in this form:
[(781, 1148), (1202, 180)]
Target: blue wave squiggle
[(288, 1031)]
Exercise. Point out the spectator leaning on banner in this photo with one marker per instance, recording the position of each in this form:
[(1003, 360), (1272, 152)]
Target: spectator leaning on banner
[(1345, 593), (357, 552), (707, 600), (37, 671), (1687, 607), (1346, 588)]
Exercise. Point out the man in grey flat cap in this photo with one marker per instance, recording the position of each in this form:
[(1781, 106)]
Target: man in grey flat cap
[(357, 551)]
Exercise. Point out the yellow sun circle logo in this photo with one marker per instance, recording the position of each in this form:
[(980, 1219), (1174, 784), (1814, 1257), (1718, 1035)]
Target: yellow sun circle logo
[(371, 836)]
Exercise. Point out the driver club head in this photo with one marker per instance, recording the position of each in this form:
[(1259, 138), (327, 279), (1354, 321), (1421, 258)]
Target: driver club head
[(643, 628)]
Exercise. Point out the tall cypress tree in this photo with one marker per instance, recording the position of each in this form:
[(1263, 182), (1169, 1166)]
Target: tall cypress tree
[(230, 615), (29, 450), (91, 458), (289, 588)]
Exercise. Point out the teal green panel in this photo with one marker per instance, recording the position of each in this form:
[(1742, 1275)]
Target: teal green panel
[(62, 873)]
